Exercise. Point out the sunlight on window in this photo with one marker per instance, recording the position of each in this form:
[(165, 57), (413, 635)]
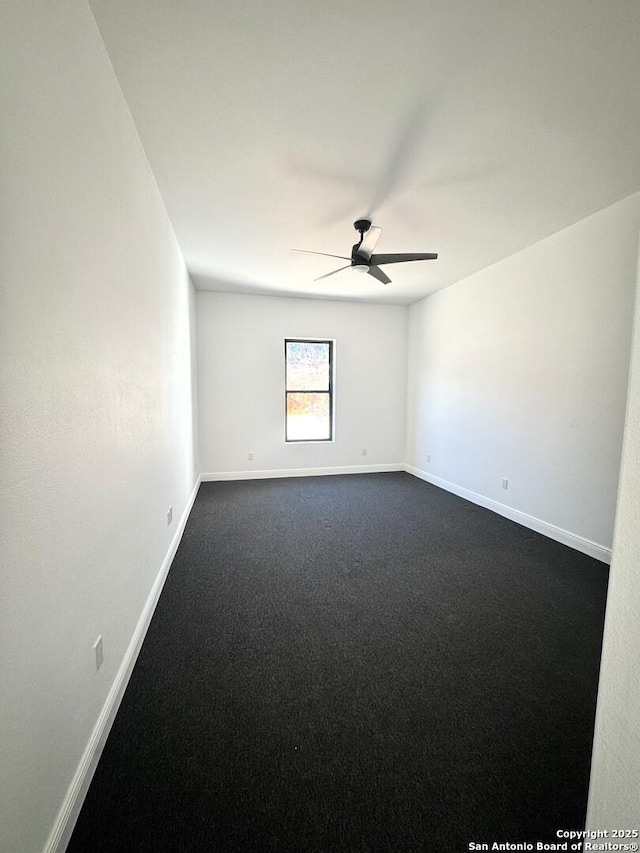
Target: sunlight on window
[(309, 393)]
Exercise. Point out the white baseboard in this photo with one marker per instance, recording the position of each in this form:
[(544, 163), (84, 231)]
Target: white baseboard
[(300, 472), (593, 549), (69, 811)]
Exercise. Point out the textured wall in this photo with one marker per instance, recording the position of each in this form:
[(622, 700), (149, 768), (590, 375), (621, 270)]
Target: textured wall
[(521, 372), (241, 381), (614, 801), (96, 398)]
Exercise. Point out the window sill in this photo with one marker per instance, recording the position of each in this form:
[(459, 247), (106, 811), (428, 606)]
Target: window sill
[(310, 441)]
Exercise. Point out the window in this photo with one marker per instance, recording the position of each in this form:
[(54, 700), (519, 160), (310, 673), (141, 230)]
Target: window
[(308, 390)]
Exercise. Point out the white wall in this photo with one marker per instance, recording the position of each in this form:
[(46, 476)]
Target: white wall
[(614, 797), (520, 371), (241, 381), (97, 428)]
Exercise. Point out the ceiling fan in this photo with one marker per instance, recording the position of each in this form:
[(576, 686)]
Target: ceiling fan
[(362, 258)]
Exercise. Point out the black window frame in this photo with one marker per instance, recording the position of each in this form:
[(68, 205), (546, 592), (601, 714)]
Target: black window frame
[(328, 391)]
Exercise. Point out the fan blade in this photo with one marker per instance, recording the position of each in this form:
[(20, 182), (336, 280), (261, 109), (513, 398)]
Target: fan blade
[(401, 257), (376, 272), (325, 254), (401, 157), (333, 272), (369, 241)]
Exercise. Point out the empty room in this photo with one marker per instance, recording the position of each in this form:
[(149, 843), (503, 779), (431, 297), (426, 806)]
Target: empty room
[(320, 427)]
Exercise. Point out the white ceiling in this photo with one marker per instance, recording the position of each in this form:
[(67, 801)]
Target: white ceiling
[(471, 128)]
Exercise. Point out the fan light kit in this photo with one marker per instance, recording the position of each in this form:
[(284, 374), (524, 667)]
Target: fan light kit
[(362, 258)]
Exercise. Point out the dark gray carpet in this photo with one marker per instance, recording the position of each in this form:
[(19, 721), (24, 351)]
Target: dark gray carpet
[(354, 663)]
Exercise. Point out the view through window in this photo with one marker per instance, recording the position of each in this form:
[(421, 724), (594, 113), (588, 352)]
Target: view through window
[(308, 390)]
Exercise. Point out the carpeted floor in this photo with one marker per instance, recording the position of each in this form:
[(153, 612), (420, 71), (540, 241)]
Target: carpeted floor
[(354, 663)]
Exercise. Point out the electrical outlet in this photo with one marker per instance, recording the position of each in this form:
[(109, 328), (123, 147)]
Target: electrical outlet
[(170, 515), (97, 650), (364, 451), (250, 457), (428, 457), (505, 482)]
